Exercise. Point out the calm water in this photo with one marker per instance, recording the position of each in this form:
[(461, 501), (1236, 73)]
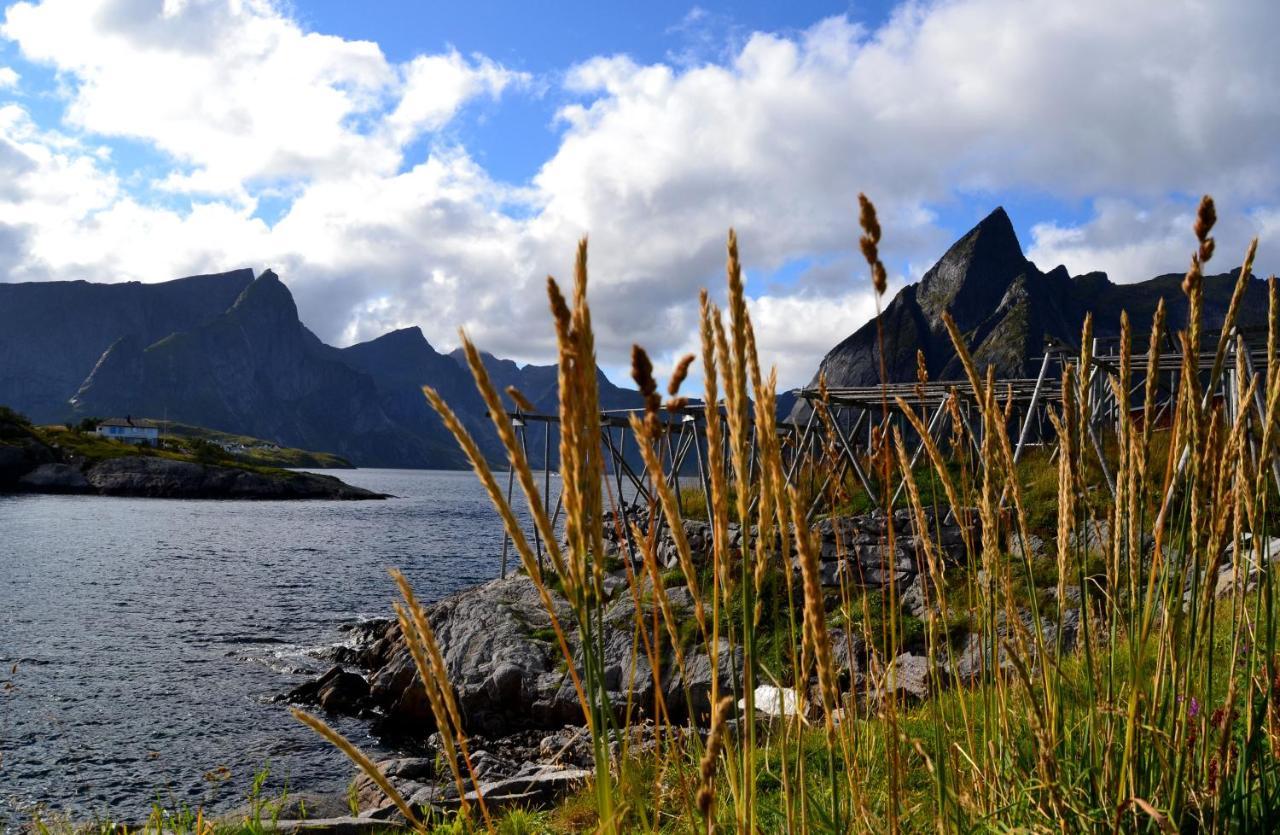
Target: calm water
[(149, 635)]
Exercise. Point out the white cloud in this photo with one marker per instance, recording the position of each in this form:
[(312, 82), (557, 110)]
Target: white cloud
[(1116, 104), (238, 92), (1132, 242), (436, 86), (8, 78)]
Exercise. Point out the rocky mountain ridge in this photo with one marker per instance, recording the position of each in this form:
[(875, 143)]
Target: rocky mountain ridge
[(1007, 309), (229, 352)]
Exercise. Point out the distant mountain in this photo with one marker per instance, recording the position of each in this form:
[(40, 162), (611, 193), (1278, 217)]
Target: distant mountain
[(228, 352), (400, 363), (52, 332), (541, 384), (255, 369), (1007, 309)]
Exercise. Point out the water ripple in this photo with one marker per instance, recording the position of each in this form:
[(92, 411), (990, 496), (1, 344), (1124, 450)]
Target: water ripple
[(149, 635)]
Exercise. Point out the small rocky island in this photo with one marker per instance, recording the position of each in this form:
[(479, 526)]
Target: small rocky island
[(40, 460)]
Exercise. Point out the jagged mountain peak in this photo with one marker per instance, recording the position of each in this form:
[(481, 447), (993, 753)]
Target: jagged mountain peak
[(266, 300), (974, 274), (411, 334), (1006, 308), (410, 341)]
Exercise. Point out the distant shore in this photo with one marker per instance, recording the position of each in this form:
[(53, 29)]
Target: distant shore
[(39, 460)]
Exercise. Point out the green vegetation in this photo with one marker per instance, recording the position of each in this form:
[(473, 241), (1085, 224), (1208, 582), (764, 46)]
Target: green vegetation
[(250, 450), (14, 426), (179, 443), (1162, 717)]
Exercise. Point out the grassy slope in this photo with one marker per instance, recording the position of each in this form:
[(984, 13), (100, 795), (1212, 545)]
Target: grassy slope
[(280, 457), (16, 429)]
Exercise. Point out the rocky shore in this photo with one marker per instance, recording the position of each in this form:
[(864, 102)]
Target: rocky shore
[(516, 697), (34, 467), (519, 706)]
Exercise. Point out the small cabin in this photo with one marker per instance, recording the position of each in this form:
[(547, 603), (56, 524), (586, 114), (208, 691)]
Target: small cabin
[(130, 430)]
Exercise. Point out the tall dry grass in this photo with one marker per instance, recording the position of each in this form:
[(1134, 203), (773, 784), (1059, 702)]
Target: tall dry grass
[(1160, 716)]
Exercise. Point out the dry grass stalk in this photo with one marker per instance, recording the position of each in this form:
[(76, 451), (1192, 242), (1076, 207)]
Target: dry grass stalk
[(870, 243), (358, 757), (710, 756), (526, 553), (679, 374), (522, 402), (435, 678)]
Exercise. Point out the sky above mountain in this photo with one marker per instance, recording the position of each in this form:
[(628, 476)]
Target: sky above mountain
[(404, 163)]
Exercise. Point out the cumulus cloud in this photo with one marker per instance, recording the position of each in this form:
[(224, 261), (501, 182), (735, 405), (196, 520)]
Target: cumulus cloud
[(1131, 107), (436, 86), (237, 92), (1133, 242)]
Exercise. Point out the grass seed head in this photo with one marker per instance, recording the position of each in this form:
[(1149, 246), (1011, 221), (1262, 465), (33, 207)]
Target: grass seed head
[(870, 243), (1206, 216), (678, 376), (522, 402), (642, 373)]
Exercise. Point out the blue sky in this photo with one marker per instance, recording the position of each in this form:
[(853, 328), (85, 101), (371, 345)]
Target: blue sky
[(525, 37), (411, 163)]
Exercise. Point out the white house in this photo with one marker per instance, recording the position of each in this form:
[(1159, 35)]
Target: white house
[(130, 430)]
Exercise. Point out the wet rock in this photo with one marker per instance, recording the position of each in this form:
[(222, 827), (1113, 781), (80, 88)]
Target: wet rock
[(570, 746), (542, 787), (55, 478), (407, 775), (337, 691), (507, 676)]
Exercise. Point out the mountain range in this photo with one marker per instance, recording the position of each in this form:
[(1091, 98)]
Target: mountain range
[(228, 351)]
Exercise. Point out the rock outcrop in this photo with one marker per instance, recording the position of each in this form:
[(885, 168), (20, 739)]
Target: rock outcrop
[(166, 478), (507, 670), (522, 715), (29, 464)]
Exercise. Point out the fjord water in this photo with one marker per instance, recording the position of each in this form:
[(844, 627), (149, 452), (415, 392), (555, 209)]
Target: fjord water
[(149, 635)]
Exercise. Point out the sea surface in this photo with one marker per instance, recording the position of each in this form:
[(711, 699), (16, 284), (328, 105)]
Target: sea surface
[(141, 640)]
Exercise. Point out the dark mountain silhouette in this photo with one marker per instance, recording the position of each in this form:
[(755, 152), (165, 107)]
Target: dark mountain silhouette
[(52, 332), (228, 352), (541, 385), (255, 369), (1007, 309)]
